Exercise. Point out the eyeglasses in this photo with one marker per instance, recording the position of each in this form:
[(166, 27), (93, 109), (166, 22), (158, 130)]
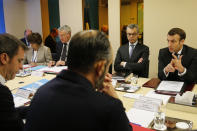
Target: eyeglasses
[(131, 34)]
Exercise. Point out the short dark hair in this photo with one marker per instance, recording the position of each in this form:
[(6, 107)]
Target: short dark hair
[(87, 47), (179, 32), (54, 30), (10, 45), (132, 26), (34, 38)]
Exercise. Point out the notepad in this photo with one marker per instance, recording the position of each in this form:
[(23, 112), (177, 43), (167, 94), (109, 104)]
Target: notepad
[(174, 86)]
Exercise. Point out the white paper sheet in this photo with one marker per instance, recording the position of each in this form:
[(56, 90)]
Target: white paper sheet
[(55, 69), (132, 95), (20, 101), (164, 98), (170, 86), (141, 117)]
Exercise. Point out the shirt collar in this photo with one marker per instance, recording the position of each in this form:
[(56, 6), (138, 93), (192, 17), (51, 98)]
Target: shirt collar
[(180, 51), (2, 80), (133, 43)]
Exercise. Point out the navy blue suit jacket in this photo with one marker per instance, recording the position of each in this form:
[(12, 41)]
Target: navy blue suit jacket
[(189, 61), (69, 102)]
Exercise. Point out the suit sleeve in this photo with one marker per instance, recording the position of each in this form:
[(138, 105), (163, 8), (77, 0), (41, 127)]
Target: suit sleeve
[(117, 66), (161, 66), (9, 117), (118, 120), (138, 67), (191, 74)]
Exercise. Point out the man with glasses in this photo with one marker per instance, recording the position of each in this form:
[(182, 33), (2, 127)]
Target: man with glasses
[(62, 46), (177, 62), (132, 57)]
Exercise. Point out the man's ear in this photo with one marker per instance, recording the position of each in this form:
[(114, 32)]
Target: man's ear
[(182, 41), (4, 59), (99, 67)]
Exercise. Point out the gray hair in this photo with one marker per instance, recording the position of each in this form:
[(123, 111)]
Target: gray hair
[(65, 28), (132, 26)]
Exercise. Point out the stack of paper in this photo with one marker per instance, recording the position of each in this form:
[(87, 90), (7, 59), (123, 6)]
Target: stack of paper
[(23, 94), (55, 69)]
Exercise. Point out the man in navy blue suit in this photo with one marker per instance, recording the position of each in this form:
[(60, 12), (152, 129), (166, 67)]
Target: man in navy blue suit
[(178, 62), (81, 98), (62, 46), (24, 39)]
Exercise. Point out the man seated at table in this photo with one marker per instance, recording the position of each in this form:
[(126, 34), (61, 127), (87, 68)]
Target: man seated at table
[(177, 62), (62, 46), (11, 59), (133, 56), (81, 98)]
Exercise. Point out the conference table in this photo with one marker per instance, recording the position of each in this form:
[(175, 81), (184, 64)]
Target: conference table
[(127, 102)]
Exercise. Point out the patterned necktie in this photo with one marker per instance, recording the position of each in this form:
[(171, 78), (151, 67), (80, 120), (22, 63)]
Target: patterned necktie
[(131, 50), (64, 52)]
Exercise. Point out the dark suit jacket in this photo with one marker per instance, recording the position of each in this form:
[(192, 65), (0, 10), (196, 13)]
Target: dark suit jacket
[(59, 47), (51, 43), (140, 51), (10, 117), (69, 102), (189, 61), (24, 41)]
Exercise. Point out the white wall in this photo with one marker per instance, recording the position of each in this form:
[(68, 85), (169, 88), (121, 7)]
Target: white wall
[(71, 14), (22, 14), (114, 24), (33, 14), (15, 16), (162, 15)]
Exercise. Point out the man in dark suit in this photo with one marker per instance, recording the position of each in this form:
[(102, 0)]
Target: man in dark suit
[(177, 62), (81, 98), (62, 46), (26, 33), (132, 57), (11, 59)]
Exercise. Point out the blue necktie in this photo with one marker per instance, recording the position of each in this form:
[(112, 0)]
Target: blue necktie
[(131, 50)]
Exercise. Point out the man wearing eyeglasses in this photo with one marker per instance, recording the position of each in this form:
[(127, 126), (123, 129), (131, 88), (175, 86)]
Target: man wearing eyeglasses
[(62, 46), (132, 57), (177, 62)]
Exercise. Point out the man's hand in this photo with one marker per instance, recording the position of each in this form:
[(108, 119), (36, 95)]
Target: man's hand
[(60, 63), (169, 68), (108, 87), (177, 63), (33, 64), (51, 63), (123, 63), (140, 60)]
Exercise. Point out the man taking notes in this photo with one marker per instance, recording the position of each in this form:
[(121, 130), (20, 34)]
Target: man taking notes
[(177, 62), (11, 60), (81, 98)]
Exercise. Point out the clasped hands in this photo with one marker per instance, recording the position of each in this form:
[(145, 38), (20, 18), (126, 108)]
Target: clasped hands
[(174, 65)]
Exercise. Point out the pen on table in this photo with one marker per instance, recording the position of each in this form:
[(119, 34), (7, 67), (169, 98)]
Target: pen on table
[(135, 124)]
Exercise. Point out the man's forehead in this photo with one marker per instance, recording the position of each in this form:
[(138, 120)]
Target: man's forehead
[(132, 30), (173, 37)]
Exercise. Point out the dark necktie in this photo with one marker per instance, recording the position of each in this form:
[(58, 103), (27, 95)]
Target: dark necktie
[(64, 52), (131, 50)]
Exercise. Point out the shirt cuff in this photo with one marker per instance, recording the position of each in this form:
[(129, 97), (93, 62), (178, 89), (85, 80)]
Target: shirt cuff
[(124, 64), (165, 73), (184, 72)]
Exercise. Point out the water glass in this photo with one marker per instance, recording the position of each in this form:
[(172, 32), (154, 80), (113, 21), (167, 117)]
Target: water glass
[(159, 121), (134, 79)]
